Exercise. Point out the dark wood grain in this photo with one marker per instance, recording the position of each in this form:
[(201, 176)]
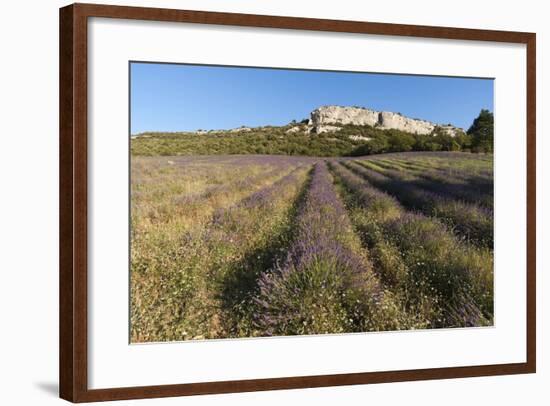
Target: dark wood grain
[(298, 23), (80, 190), (205, 388), (73, 201), (66, 131)]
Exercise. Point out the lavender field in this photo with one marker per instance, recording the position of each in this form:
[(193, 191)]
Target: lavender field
[(262, 245)]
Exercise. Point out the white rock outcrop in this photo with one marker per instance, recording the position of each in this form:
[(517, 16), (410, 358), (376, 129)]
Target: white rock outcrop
[(295, 129), (320, 129), (359, 138), (451, 130), (241, 130), (328, 118), (342, 115)]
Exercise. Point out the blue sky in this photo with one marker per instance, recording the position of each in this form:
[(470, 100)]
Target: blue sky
[(171, 97)]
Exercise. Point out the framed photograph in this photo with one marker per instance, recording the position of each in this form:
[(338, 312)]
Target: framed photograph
[(255, 203)]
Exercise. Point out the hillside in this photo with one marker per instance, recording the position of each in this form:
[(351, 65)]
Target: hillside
[(330, 131)]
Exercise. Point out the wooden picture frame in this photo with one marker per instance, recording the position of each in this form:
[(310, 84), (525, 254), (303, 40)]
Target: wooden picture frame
[(74, 201)]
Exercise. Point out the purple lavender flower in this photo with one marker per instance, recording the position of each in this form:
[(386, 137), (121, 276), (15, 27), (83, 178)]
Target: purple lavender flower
[(306, 293), (473, 222)]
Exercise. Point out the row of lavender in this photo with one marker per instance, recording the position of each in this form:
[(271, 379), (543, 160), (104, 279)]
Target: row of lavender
[(409, 271), (246, 238), (475, 189), (326, 282), (192, 266), (471, 221), (406, 270), (444, 278)]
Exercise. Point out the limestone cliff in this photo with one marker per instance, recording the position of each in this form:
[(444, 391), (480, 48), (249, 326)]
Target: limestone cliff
[(328, 118)]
